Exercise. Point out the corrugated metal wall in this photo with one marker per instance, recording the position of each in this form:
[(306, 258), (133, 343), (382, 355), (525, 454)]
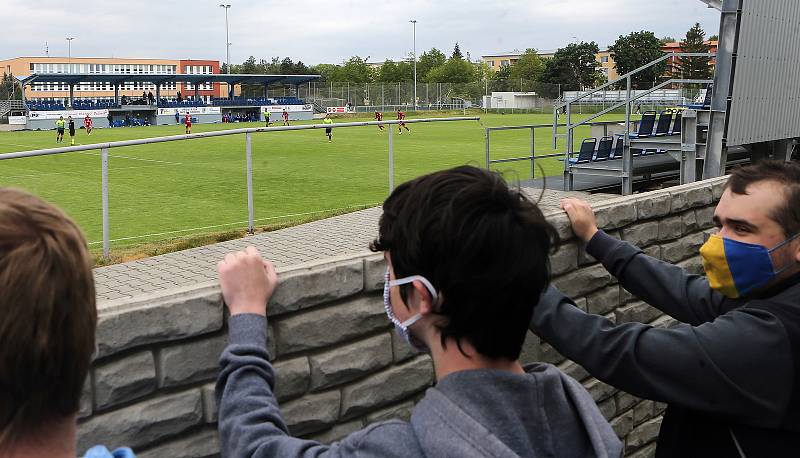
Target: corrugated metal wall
[(766, 89)]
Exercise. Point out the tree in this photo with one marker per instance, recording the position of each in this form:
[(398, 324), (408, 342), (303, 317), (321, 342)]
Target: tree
[(428, 61), (667, 39), (248, 67), (500, 79), (356, 70), (714, 38), (327, 72), (694, 67), (391, 72), (453, 71), (457, 53), (529, 66), (286, 67), (636, 50), (573, 67), (9, 88)]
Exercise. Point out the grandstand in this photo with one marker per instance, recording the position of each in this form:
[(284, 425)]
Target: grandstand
[(739, 119), (124, 110)]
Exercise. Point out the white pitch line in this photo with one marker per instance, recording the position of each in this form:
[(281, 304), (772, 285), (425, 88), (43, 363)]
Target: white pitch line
[(76, 173), (132, 158)]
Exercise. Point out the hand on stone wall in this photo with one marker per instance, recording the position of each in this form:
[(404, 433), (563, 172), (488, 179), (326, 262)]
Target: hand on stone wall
[(581, 215), (247, 281)]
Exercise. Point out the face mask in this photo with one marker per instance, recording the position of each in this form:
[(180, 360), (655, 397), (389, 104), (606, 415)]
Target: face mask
[(402, 327), (736, 269)]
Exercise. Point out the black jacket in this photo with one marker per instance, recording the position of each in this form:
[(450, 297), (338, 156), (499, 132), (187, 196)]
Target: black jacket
[(729, 369)]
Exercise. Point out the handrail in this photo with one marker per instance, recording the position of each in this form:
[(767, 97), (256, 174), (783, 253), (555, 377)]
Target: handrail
[(637, 97), (248, 132), (632, 72), (219, 133)]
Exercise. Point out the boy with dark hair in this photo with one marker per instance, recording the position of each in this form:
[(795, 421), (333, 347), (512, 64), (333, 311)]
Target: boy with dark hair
[(47, 327), (730, 369), (465, 254)]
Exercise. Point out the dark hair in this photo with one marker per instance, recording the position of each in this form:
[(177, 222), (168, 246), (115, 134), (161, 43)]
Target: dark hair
[(47, 315), (783, 173), (482, 245)]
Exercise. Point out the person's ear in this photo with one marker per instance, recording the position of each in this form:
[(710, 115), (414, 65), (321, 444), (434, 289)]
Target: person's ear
[(796, 250), (423, 298)]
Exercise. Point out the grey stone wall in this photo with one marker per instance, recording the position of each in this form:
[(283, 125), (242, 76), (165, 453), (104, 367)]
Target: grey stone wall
[(152, 382)]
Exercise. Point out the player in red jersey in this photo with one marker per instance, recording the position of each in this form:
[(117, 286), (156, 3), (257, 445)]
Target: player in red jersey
[(379, 117), (285, 117), (87, 124), (188, 121), (400, 117)]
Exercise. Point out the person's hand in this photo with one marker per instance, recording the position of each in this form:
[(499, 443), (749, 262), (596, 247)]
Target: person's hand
[(247, 281), (584, 223)]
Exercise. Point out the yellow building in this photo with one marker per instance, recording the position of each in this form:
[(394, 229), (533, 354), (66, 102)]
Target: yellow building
[(607, 66), (498, 61), (604, 58)]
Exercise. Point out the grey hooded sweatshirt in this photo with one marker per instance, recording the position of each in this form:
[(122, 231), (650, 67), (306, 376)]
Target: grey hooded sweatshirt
[(477, 413)]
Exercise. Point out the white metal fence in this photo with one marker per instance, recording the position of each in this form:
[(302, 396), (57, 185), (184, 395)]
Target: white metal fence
[(247, 132)]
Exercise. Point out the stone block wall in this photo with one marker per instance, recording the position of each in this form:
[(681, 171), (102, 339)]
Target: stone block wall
[(339, 364)]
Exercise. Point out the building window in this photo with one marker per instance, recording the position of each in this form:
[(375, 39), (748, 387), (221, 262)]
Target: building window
[(504, 63), (604, 59)]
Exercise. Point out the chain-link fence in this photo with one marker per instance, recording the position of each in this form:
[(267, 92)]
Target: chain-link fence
[(430, 96)]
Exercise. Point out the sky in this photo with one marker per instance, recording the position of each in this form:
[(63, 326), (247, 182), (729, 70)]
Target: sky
[(330, 31)]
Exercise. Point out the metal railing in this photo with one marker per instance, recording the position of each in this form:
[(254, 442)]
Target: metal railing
[(248, 133), (627, 161), (532, 151)]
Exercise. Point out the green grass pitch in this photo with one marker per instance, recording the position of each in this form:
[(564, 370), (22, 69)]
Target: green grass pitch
[(198, 186)]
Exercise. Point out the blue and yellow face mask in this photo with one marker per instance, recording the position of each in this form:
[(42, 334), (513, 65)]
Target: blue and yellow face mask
[(736, 269)]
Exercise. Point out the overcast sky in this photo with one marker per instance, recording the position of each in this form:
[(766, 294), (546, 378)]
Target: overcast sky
[(330, 30)]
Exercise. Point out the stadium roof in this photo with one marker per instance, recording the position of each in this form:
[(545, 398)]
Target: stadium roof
[(113, 78)]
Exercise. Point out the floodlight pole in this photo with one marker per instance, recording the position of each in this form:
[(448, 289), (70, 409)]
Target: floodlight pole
[(227, 48), (69, 52), (227, 38), (414, 23)]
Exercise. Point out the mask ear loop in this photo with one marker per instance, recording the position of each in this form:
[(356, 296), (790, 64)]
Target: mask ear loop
[(423, 280), (780, 245)]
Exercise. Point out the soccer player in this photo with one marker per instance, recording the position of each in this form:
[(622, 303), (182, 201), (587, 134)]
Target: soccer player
[(400, 117), (379, 117), (285, 116), (267, 115), (71, 125), (328, 130), (60, 129), (188, 121), (87, 124)]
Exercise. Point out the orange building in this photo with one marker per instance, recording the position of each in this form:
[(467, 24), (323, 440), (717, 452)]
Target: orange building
[(26, 66), (675, 47)]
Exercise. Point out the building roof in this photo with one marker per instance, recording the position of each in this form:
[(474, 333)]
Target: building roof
[(114, 78)]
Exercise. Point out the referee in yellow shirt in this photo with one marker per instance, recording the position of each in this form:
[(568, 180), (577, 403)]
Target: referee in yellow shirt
[(328, 130)]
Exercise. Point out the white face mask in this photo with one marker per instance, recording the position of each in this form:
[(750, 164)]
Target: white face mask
[(402, 327)]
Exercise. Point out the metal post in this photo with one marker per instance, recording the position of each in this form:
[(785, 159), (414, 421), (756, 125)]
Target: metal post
[(488, 157), (250, 211), (568, 178), (414, 22), (104, 179), (391, 158), (627, 157), (533, 152)]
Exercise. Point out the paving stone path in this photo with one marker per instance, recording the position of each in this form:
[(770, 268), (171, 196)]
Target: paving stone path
[(332, 237)]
